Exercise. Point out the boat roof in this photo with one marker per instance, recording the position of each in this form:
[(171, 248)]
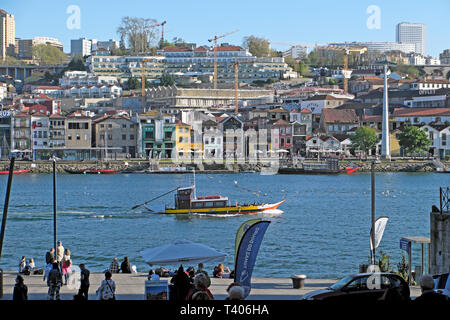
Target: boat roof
[(209, 200), (185, 188)]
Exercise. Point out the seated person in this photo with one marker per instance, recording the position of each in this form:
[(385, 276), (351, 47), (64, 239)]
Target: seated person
[(152, 275), (221, 272)]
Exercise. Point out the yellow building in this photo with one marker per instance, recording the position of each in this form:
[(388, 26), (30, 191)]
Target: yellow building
[(394, 143), (186, 146)]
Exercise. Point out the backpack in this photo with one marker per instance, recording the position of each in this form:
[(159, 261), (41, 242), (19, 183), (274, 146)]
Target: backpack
[(107, 294)]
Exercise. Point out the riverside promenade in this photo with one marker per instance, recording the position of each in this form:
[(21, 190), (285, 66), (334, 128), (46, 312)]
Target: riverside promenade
[(131, 287)]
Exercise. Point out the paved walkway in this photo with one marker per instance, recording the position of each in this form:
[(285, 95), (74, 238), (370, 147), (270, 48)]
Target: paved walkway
[(131, 287)]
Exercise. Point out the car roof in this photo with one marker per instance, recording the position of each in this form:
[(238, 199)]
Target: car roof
[(372, 273)]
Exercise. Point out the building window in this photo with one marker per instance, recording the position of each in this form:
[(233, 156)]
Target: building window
[(124, 137), (131, 136), (69, 137), (78, 137)]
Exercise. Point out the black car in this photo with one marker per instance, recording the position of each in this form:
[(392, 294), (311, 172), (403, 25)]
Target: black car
[(364, 287)]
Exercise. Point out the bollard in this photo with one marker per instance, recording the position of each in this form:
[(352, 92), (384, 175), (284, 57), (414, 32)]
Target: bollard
[(1, 283), (298, 281)]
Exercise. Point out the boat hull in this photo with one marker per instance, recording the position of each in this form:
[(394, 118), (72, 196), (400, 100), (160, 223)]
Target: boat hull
[(92, 171), (236, 210), (303, 171), (15, 172)]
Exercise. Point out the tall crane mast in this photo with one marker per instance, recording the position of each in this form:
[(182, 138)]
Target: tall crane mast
[(162, 29), (346, 72), (215, 53)]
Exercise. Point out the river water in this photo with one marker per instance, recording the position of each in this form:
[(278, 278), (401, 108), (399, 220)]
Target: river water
[(323, 231)]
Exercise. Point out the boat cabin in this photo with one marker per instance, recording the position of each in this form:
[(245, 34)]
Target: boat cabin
[(184, 199)]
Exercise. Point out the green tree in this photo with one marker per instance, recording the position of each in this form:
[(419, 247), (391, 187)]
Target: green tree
[(365, 138), (167, 80), (48, 55), (258, 47), (411, 70), (133, 83), (292, 63), (77, 63), (414, 140)]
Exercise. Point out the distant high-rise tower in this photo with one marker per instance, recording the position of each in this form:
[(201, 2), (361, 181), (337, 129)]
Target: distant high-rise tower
[(81, 47), (412, 33), (7, 34)]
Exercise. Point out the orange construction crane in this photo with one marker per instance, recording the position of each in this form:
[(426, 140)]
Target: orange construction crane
[(215, 53), (162, 29)]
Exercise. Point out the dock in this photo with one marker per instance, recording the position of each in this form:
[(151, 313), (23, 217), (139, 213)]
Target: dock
[(131, 287)]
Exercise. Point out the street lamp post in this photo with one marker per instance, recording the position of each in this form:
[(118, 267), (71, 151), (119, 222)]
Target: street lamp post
[(372, 233)]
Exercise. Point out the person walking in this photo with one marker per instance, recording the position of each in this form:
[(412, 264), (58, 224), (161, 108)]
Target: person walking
[(49, 256), (107, 289), (114, 266), (125, 266), (54, 282), (83, 292), (48, 268), (66, 269), (66, 255), (20, 292), (59, 253)]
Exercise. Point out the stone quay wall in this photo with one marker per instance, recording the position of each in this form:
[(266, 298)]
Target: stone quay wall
[(135, 164)]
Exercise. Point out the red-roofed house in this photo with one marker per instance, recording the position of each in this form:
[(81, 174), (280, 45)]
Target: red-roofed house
[(281, 138), (417, 116), (51, 91), (338, 120)]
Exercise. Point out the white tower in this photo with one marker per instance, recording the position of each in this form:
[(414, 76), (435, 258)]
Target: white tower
[(385, 139)]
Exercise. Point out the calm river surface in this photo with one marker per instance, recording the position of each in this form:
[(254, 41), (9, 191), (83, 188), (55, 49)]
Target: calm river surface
[(323, 231)]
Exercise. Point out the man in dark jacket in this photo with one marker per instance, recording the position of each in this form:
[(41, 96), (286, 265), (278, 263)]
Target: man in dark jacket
[(54, 282), (49, 256), (20, 292), (83, 293)]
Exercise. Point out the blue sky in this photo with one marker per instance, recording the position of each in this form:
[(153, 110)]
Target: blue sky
[(293, 21)]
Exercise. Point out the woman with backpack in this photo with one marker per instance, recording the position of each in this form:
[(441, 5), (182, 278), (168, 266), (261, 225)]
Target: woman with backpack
[(107, 289)]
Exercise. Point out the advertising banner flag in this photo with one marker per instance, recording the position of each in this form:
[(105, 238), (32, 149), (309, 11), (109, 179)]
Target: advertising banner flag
[(380, 225), (244, 227), (247, 252)]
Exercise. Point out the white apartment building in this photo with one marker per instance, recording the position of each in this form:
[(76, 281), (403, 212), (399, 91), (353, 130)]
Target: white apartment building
[(440, 137), (412, 33), (81, 78), (296, 52), (124, 67), (81, 47), (379, 46), (39, 131), (7, 34)]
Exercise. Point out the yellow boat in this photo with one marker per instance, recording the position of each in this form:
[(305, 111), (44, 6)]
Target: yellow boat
[(186, 202)]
